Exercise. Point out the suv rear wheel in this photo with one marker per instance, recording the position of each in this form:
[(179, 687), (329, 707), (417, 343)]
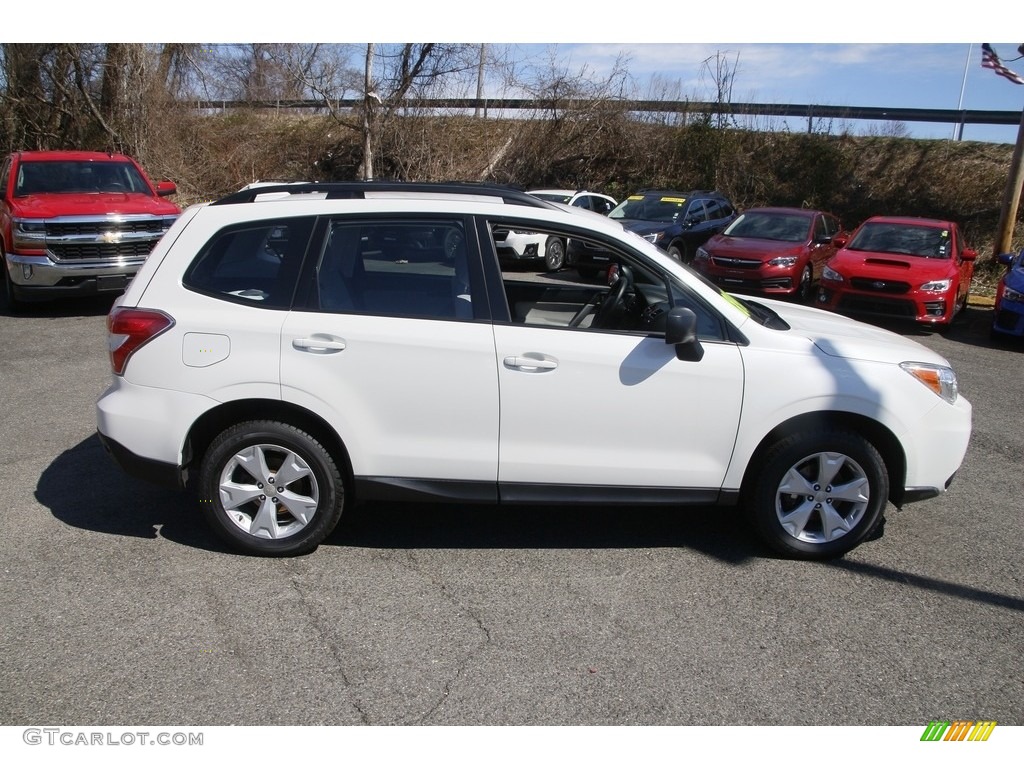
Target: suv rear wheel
[(268, 488), (818, 495), (554, 254)]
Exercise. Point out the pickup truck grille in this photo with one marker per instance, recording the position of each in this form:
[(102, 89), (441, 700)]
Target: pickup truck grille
[(90, 239), (100, 251)]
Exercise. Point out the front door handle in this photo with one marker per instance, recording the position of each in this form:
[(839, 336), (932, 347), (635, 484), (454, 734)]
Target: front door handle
[(321, 346), (529, 364)]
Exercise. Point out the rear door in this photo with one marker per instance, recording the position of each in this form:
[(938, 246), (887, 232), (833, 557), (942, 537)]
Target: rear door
[(384, 343)]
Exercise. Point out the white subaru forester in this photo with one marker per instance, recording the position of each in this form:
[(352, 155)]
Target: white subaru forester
[(288, 351)]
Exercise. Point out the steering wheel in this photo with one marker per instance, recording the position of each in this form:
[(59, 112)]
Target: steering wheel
[(612, 306)]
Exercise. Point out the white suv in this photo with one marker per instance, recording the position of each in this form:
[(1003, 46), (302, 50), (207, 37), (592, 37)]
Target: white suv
[(517, 246), (288, 355)]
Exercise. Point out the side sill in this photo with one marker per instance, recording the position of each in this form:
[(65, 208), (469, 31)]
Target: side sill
[(527, 493), (415, 489), (406, 489)]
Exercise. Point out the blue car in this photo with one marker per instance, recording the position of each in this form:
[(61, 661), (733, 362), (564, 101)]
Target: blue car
[(1009, 308)]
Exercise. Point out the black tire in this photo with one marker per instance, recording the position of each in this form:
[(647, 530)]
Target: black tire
[(11, 303), (294, 517), (679, 253), (805, 288), (554, 254), (793, 499)]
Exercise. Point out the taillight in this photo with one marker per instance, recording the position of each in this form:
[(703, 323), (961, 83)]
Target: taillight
[(129, 329)]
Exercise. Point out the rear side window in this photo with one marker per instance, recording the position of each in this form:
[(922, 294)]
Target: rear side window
[(396, 268), (254, 264)]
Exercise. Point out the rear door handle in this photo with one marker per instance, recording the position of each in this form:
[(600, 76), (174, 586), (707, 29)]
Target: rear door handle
[(322, 346), (529, 364)]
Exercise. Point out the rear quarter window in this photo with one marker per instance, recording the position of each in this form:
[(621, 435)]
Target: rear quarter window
[(254, 264)]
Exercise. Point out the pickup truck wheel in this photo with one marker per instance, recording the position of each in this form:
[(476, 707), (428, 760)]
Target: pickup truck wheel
[(818, 495), (268, 488), (11, 302)]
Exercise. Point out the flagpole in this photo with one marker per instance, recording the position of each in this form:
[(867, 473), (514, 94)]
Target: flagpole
[(963, 86)]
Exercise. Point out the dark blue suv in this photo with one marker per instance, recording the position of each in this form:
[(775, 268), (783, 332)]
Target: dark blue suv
[(677, 222)]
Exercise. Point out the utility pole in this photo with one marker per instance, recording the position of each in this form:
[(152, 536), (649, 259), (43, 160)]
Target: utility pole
[(1011, 197), (480, 81), (368, 107)]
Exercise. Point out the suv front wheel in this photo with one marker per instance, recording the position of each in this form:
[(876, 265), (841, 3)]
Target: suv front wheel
[(268, 488), (818, 495)]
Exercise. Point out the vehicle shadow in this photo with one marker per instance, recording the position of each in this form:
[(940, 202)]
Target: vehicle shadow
[(718, 532), (84, 488)]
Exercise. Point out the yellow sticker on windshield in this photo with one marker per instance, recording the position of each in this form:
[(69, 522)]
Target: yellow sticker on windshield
[(673, 199), (735, 302)]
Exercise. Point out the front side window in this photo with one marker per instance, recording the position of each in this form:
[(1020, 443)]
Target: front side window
[(255, 264), (403, 269), (633, 296)]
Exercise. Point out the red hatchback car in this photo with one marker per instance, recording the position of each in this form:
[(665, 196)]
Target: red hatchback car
[(900, 268), (771, 251)]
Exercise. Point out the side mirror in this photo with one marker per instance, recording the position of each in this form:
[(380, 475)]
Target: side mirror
[(681, 332), (840, 241), (1006, 259), (166, 188), (968, 254)]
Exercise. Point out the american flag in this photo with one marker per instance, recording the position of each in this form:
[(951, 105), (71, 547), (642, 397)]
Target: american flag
[(989, 60)]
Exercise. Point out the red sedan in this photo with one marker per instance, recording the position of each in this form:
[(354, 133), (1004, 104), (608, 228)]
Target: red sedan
[(771, 251), (900, 268)]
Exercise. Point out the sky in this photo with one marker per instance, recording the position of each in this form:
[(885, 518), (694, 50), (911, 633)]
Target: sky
[(881, 53)]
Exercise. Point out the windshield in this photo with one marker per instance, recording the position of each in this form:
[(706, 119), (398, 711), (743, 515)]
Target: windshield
[(35, 178), (553, 197), (904, 239), (665, 208), (787, 227)]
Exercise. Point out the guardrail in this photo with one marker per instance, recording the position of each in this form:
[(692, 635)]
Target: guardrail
[(810, 112)]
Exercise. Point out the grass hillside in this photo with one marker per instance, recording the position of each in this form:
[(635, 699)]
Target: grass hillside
[(852, 176)]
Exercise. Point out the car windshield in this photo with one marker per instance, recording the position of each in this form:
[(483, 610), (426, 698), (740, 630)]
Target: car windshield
[(35, 178), (553, 197), (787, 227), (931, 242), (666, 208)]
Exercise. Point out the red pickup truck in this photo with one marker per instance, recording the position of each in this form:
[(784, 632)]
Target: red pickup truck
[(77, 223)]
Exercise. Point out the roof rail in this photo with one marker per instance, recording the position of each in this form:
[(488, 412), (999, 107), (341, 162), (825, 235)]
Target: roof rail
[(356, 190)]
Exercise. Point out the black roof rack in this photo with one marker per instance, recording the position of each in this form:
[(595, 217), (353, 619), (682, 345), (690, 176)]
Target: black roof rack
[(355, 190)]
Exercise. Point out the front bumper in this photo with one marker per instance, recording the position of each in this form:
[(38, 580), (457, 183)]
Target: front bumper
[(931, 308), (41, 276), (1009, 318), (766, 280)]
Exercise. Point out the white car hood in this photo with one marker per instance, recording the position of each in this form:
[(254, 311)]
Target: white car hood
[(840, 336)]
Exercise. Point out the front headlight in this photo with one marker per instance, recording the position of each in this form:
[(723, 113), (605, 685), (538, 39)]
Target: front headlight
[(702, 254), (1011, 295), (831, 275), (940, 379), (653, 237), (937, 286), (783, 261), (28, 235)]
